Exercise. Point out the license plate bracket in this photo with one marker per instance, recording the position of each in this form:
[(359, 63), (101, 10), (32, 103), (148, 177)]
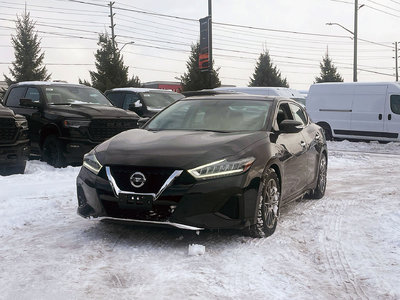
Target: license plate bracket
[(137, 201)]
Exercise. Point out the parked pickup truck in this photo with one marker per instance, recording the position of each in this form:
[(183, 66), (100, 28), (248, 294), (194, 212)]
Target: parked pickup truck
[(66, 120), (14, 142)]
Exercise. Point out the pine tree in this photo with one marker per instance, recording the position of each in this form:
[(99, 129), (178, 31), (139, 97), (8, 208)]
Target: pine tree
[(111, 71), (266, 74), (194, 79), (328, 71), (28, 64)]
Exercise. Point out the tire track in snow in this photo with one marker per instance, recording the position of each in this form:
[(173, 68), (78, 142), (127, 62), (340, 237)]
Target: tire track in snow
[(334, 252)]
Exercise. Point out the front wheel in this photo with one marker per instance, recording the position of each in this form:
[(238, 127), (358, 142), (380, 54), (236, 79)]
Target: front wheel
[(319, 191), (269, 196), (52, 152)]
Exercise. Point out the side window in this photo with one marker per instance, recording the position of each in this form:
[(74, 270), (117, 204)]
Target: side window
[(298, 114), (116, 99), (284, 113), (130, 98), (14, 96), (395, 104), (33, 94)]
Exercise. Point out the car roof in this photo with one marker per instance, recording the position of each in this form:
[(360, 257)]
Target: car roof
[(139, 90), (233, 97), (48, 83)]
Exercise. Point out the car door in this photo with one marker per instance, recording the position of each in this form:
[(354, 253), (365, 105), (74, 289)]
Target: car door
[(367, 111), (392, 117), (311, 138), (32, 114), (293, 159)]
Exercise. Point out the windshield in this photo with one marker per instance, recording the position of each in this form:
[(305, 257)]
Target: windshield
[(66, 95), (213, 115), (160, 100)]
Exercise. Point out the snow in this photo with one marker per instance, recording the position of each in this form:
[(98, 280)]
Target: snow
[(195, 249), (345, 246)]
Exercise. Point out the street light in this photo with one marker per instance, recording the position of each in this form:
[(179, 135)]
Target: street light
[(341, 26), (355, 48), (128, 43), (355, 36)]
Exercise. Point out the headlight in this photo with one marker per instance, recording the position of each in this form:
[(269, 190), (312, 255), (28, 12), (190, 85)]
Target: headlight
[(76, 123), (21, 123), (91, 163), (222, 168)]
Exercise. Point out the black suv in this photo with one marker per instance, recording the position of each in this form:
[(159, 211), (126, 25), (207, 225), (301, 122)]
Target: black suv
[(14, 142), (144, 102), (66, 120)]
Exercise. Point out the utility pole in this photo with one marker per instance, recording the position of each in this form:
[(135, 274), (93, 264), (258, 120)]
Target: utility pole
[(210, 41), (355, 40), (112, 25), (396, 58)]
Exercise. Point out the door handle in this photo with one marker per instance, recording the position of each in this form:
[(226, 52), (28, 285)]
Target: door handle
[(380, 117), (389, 117)]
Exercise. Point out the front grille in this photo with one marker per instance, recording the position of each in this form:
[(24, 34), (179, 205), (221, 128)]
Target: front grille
[(8, 130), (103, 129), (155, 178)]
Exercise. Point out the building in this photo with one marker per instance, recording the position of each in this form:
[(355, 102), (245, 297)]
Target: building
[(164, 85)]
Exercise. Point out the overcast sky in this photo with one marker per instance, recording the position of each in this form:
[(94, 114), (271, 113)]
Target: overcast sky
[(162, 45)]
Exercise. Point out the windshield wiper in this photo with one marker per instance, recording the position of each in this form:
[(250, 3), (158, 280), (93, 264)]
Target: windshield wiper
[(211, 130)]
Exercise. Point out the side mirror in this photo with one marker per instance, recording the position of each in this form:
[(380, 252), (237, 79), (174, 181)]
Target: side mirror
[(24, 102), (136, 106), (290, 126), (142, 121)]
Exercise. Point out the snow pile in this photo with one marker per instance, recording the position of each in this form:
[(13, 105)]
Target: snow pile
[(195, 250), (370, 147)]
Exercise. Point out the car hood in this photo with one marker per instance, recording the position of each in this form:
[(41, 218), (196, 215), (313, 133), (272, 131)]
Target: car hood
[(90, 111), (173, 149), (6, 112)]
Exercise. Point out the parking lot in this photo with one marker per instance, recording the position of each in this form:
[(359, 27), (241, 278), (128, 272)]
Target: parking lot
[(346, 245)]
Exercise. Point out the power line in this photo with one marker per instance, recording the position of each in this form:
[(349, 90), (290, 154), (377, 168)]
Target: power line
[(382, 11), (385, 6), (58, 12)]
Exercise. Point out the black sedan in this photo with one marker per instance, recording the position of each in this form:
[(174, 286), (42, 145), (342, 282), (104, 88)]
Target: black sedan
[(214, 162)]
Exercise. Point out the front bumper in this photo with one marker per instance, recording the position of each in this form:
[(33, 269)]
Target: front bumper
[(14, 154), (75, 149), (228, 202)]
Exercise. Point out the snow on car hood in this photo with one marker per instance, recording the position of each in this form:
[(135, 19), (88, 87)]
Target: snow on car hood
[(173, 148)]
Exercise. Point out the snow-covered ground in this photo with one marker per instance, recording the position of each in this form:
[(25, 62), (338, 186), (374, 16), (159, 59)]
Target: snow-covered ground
[(344, 246)]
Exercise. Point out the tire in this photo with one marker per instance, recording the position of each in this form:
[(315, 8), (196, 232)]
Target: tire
[(328, 131), (269, 196), (15, 169), (319, 191), (20, 168), (52, 152)]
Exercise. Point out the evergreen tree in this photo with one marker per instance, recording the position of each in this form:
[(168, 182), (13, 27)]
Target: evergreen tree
[(266, 74), (28, 64), (328, 71), (111, 71), (194, 79)]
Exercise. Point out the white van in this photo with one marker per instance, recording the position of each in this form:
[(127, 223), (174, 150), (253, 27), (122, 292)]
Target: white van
[(267, 91), (359, 111)]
